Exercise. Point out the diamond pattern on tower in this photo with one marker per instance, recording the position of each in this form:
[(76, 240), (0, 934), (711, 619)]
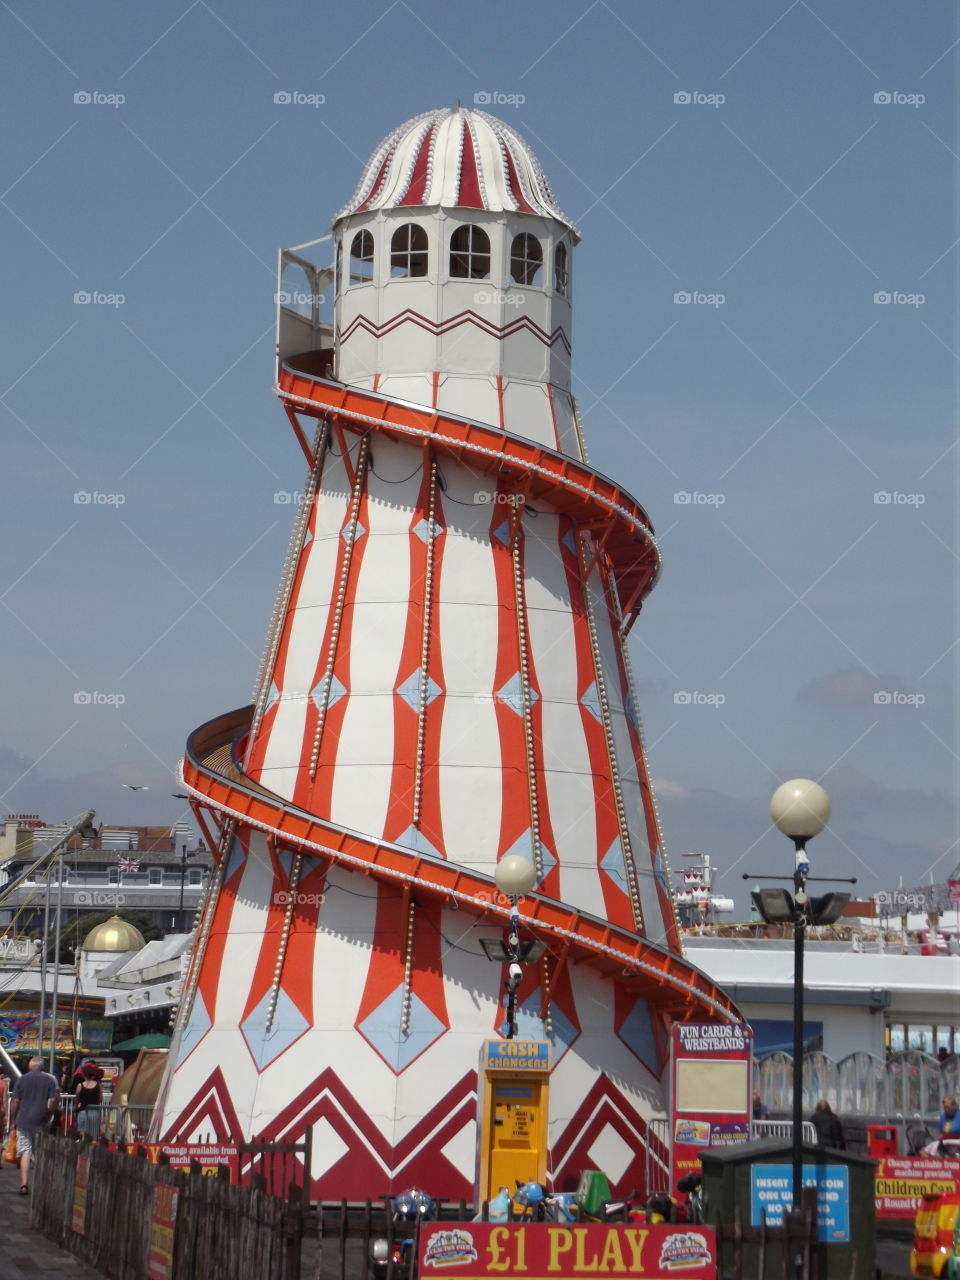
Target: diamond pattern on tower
[(348, 534), (530, 1025), (422, 529), (660, 871), (630, 711), (591, 700), (382, 1029), (337, 691), (639, 1035), (502, 533), (307, 538), (511, 694), (272, 697), (288, 1025), (612, 865), (328, 1147), (413, 838), (409, 691), (195, 1030), (523, 847), (570, 542), (611, 1153)]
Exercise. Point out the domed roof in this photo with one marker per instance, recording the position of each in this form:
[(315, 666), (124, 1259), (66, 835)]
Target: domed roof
[(114, 935), (458, 159)]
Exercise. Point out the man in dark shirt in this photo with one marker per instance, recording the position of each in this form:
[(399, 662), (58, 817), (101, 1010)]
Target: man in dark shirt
[(32, 1103)]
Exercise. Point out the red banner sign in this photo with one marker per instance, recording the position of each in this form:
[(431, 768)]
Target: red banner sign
[(163, 1221), (471, 1250), (903, 1181), (78, 1217)]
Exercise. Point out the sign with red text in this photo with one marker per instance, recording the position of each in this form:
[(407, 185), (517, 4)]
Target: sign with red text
[(471, 1250), (710, 1096), (78, 1216), (163, 1222), (903, 1181)]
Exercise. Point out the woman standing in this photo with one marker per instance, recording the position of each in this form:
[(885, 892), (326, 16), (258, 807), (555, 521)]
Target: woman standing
[(828, 1126), (89, 1096)]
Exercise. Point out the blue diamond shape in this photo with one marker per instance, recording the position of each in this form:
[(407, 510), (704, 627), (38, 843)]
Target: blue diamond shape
[(348, 534), (523, 847), (631, 713), (639, 1035), (570, 542), (236, 858), (530, 1026), (382, 1029), (502, 533), (591, 700), (612, 864), (660, 871), (413, 838), (422, 529), (272, 697), (307, 538), (288, 1025), (197, 1027), (511, 694), (335, 692), (409, 691)]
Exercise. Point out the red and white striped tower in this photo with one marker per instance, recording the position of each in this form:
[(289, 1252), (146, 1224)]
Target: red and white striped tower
[(446, 683)]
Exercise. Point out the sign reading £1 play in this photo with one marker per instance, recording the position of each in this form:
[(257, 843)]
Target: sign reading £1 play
[(471, 1250)]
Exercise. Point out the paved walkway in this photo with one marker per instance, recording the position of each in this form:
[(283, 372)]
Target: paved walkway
[(27, 1255)]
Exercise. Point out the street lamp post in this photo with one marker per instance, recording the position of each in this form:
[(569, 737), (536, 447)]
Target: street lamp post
[(801, 810), (515, 876)]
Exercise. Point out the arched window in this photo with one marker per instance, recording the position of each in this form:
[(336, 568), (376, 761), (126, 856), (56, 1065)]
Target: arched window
[(526, 259), (339, 276), (560, 277), (470, 253), (408, 251), (361, 258)]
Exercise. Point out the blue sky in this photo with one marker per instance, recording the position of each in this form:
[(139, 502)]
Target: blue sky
[(787, 168)]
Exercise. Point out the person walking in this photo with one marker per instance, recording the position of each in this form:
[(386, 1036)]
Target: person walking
[(828, 1126), (32, 1103)]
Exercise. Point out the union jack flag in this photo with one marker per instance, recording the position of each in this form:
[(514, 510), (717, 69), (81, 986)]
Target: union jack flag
[(128, 864)]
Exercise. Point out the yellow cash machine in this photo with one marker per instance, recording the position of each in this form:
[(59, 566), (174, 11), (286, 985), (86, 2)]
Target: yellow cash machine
[(512, 1120)]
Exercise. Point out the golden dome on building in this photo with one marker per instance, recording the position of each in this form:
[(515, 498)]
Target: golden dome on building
[(114, 935)]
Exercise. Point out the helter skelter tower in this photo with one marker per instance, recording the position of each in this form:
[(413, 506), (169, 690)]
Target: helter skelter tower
[(446, 683)]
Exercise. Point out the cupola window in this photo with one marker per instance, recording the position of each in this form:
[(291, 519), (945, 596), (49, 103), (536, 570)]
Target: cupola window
[(408, 251), (560, 276), (470, 253), (361, 258), (526, 259)]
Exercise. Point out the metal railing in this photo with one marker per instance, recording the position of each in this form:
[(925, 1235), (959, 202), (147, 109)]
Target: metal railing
[(782, 1129), (117, 1122)]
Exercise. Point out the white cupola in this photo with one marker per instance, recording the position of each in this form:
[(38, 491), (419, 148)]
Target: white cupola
[(453, 277)]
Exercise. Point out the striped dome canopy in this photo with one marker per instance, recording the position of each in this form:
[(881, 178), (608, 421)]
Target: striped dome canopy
[(455, 158)]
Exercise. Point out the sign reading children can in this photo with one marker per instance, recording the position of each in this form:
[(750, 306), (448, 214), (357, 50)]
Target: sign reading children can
[(711, 1090)]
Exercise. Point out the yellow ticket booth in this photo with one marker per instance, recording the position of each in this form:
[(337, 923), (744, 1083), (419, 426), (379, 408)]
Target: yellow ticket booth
[(513, 1112)]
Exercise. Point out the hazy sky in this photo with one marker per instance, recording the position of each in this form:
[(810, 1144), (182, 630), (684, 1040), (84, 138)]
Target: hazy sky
[(791, 169)]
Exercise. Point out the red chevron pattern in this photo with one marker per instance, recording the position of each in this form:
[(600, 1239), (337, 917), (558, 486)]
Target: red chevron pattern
[(523, 324)]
